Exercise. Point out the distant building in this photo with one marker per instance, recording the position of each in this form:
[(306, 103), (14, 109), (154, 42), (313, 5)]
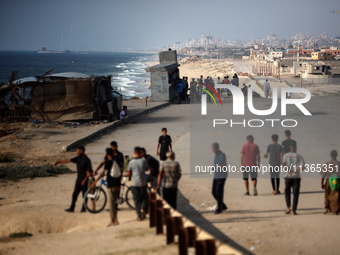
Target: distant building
[(324, 35), (333, 50), (274, 54), (300, 50), (272, 37), (321, 56)]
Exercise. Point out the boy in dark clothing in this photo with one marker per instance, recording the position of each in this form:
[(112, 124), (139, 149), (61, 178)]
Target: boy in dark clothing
[(288, 142), (274, 151), (164, 142), (153, 166)]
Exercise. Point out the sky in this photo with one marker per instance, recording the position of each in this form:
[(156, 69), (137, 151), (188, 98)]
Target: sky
[(150, 24)]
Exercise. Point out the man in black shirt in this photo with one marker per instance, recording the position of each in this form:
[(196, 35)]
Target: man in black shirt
[(83, 166), (153, 166), (113, 184), (164, 142), (288, 142)]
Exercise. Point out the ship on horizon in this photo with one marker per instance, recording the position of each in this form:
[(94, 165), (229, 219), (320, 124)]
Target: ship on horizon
[(45, 50)]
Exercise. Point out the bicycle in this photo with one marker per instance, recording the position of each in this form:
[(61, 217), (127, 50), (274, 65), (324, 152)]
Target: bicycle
[(95, 200)]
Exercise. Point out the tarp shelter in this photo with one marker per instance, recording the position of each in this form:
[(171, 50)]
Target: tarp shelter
[(63, 100), (67, 97)]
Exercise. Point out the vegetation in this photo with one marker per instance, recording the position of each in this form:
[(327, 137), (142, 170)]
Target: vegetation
[(20, 235), (6, 157), (14, 173)]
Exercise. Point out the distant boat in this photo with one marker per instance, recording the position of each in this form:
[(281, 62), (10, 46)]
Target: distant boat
[(82, 52), (45, 50)]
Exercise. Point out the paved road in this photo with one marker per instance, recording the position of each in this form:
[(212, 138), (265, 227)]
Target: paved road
[(257, 223)]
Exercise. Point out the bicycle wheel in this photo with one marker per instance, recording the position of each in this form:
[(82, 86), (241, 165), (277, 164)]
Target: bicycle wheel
[(129, 198), (95, 200)]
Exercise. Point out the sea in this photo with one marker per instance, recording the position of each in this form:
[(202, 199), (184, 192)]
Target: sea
[(127, 69)]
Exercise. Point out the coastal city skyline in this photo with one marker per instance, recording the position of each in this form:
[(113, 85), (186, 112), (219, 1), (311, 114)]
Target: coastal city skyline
[(152, 25)]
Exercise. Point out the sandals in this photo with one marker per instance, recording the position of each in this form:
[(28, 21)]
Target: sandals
[(287, 211)]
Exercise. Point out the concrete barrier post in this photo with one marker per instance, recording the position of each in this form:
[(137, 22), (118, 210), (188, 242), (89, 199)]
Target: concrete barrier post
[(183, 241), (170, 230), (152, 196), (178, 224), (167, 214), (201, 247), (159, 204), (152, 213), (159, 221), (191, 236), (211, 246)]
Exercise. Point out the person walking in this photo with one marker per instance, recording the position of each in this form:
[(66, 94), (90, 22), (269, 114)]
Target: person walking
[(164, 145), (286, 143), (113, 183), (266, 87), (170, 173), (250, 161), (274, 151), (83, 166), (220, 177), (294, 164), (332, 198), (193, 90), (136, 170)]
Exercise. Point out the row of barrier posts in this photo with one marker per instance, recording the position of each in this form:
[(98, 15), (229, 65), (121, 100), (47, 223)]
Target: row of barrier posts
[(190, 238)]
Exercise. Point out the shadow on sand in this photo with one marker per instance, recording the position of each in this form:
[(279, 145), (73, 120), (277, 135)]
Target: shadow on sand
[(196, 217)]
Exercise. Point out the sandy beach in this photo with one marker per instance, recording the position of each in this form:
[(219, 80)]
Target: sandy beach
[(258, 224)]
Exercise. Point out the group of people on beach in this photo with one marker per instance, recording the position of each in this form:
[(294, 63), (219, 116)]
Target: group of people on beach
[(164, 174), (284, 155), (198, 87)]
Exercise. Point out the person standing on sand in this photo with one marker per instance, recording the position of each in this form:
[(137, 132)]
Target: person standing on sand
[(295, 164), (192, 90), (164, 142), (286, 143), (179, 86), (185, 88), (275, 159), (227, 81), (266, 87), (83, 166), (170, 173), (219, 91), (136, 170), (332, 198), (250, 161), (219, 178), (234, 81), (237, 80), (113, 184)]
